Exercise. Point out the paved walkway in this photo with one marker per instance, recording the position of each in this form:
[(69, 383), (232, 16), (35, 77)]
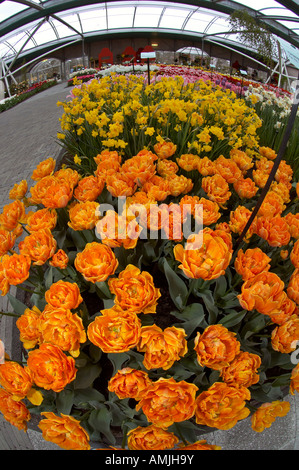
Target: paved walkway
[(28, 136)]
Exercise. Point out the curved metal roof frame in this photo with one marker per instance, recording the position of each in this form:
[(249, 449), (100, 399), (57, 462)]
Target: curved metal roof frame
[(50, 8), (35, 14)]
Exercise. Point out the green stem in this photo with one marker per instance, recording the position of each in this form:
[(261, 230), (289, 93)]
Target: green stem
[(10, 314)]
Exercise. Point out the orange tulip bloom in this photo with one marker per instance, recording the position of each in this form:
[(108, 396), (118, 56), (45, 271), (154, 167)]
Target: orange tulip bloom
[(242, 371), (285, 312), (83, 215), (19, 190), (238, 220), (207, 260), (222, 406), (210, 212), (59, 260), (151, 438), (118, 230), (39, 246), (228, 169), (15, 412), (264, 293), (65, 431), (27, 325), (166, 402), (216, 347), (162, 348), (68, 176), (199, 445), (89, 188), (157, 188), (4, 284), (245, 188), (12, 215), (52, 192), (206, 167), (217, 189), (51, 368), (115, 330), (7, 241), (272, 205), (167, 168), (44, 168), (129, 383), (265, 416), (134, 290), (63, 294), (15, 268), (188, 161), (179, 184), (41, 219), (284, 337), (139, 168), (165, 149), (15, 379), (62, 328), (294, 385), (107, 156), (268, 152), (293, 286), (243, 161), (119, 185), (274, 230), (292, 221), (254, 261), (96, 262)]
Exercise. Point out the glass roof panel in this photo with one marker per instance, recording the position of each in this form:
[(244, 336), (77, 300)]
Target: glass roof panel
[(93, 20), (8, 9), (147, 17), (119, 17), (45, 34)]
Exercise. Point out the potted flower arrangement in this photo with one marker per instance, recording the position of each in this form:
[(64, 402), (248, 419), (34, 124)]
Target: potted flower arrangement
[(143, 328)]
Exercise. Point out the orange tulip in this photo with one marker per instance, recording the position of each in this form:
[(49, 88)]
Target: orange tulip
[(207, 260), (59, 260), (265, 416), (217, 189), (139, 168), (162, 348), (118, 230), (238, 220), (274, 230), (210, 212), (228, 169), (264, 293), (294, 384), (206, 167), (15, 268), (166, 402), (245, 188), (129, 383), (89, 189), (44, 168), (119, 185), (19, 190), (51, 368), (216, 347), (268, 152), (134, 290), (63, 294), (254, 261), (293, 286), (165, 149), (272, 205), (15, 379), (96, 262), (243, 161), (115, 331), (188, 161), (199, 445), (179, 184), (284, 338), (83, 215), (222, 406), (62, 328), (27, 325), (167, 168), (292, 221), (15, 412), (7, 241), (157, 188), (12, 215), (42, 219), (151, 438), (65, 431), (242, 371), (39, 246)]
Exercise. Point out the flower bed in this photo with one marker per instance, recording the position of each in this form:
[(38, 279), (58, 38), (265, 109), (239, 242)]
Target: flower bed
[(25, 94), (143, 320)]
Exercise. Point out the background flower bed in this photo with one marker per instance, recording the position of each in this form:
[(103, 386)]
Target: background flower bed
[(168, 129), (25, 94)]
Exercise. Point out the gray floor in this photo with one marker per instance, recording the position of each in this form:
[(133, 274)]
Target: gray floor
[(28, 136)]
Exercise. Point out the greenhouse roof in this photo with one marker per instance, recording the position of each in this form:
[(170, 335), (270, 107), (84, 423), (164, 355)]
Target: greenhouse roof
[(35, 25)]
